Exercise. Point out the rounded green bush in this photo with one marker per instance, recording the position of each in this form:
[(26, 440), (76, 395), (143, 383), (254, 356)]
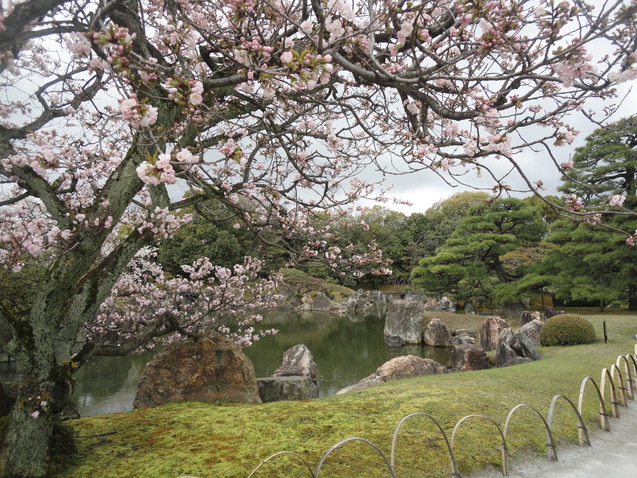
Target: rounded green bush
[(567, 329)]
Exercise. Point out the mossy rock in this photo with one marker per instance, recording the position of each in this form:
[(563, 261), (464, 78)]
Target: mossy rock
[(567, 329)]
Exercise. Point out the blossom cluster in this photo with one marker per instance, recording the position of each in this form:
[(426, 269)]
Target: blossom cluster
[(158, 169), (138, 114), (209, 298)]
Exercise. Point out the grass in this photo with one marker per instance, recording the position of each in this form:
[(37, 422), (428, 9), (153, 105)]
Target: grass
[(230, 440)]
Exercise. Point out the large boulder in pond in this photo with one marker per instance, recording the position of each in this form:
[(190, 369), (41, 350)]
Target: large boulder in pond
[(532, 331), (275, 389), (467, 357), (437, 334), (209, 369), (405, 366), (403, 322), (297, 361), (490, 332), (321, 302)]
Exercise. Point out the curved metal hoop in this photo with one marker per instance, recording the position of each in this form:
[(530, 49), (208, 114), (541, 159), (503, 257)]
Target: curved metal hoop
[(348, 440), (613, 391), (603, 415), (582, 431), (623, 390), (505, 451), (550, 443), (632, 386), (309, 468), (454, 466)]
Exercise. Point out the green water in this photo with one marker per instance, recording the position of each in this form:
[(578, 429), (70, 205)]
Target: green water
[(346, 348)]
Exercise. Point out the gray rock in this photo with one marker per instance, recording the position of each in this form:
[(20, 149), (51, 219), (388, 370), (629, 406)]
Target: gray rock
[(551, 312), (403, 323), (437, 334), (532, 331), (490, 332), (209, 369), (468, 357), (405, 366), (321, 302), (465, 332), (504, 350), (297, 361), (517, 361), (528, 316), (463, 340), (377, 297), (446, 305), (275, 389), (443, 305), (527, 348)]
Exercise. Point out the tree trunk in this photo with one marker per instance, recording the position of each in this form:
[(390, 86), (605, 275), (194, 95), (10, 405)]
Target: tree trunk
[(43, 391), (26, 451)]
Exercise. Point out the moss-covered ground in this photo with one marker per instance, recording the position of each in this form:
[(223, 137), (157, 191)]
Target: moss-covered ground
[(230, 440)]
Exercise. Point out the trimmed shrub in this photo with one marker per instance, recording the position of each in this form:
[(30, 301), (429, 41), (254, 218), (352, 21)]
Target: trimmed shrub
[(567, 329)]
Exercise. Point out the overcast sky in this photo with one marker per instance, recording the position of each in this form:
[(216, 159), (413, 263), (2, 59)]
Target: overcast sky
[(424, 188)]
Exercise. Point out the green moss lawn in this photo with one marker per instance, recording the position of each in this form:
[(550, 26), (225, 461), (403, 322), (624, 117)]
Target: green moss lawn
[(229, 440)]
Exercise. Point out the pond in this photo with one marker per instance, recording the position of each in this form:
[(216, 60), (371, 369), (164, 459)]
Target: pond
[(346, 348)]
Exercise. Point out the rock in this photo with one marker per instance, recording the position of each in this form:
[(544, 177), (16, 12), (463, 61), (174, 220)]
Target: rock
[(432, 305), (437, 334), (465, 332), (490, 332), (517, 361), (403, 323), (469, 309), (443, 305), (524, 347), (468, 357), (551, 312), (446, 305), (463, 340), (532, 331), (275, 389), (209, 369), (504, 351), (405, 366), (528, 316), (297, 361), (377, 297), (321, 302)]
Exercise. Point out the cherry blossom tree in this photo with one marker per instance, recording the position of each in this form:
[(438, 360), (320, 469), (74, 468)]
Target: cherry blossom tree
[(111, 110)]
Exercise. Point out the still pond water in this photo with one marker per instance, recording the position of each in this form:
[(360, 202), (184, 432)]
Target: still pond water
[(346, 348)]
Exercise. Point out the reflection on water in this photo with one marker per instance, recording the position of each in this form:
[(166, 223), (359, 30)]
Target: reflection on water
[(345, 348), (109, 384)]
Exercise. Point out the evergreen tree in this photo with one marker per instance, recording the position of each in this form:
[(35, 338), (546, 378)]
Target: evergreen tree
[(471, 265), (606, 165)]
